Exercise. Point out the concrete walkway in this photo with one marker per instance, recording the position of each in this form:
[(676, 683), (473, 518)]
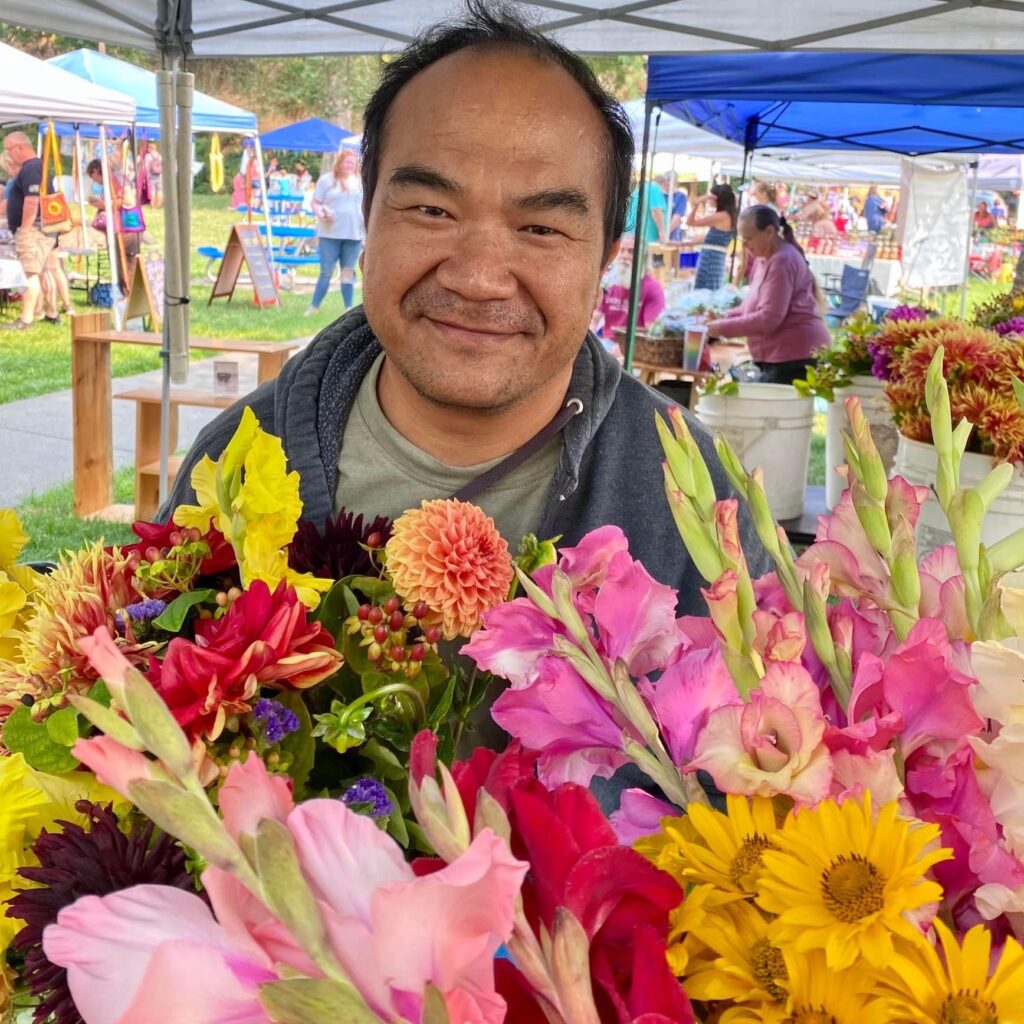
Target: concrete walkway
[(35, 433)]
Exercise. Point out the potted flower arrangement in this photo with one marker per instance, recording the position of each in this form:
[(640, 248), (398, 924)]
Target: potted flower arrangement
[(1004, 314), (980, 369), (829, 827)]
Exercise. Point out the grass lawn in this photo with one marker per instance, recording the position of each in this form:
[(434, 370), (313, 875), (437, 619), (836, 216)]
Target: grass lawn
[(52, 527), (37, 361)]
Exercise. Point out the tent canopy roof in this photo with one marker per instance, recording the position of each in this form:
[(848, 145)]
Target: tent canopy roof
[(31, 89), (903, 103), (262, 28), (208, 114), (313, 135)]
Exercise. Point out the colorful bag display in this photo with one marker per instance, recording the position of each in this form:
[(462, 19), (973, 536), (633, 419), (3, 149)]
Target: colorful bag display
[(54, 212)]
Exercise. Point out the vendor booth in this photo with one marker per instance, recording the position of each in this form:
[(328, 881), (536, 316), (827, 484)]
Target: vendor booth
[(313, 135)]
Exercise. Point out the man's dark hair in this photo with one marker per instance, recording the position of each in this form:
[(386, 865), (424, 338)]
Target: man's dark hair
[(498, 26)]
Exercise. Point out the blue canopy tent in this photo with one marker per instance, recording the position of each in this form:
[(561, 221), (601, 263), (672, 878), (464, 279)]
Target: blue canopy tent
[(313, 135), (208, 113), (911, 104)]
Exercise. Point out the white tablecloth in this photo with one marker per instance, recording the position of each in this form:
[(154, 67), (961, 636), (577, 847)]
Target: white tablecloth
[(11, 274), (885, 274)]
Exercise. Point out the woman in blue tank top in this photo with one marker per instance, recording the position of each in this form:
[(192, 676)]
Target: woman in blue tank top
[(717, 212)]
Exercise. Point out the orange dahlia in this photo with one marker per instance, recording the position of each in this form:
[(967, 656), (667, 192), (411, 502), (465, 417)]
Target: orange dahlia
[(449, 554)]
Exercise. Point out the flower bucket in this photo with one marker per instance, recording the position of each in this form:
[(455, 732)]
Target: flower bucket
[(917, 463), (769, 425), (878, 412)]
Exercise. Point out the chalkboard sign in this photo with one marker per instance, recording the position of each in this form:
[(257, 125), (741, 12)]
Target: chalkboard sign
[(245, 245), (146, 290)]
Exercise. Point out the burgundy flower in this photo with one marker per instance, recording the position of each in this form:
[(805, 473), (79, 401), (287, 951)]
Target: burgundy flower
[(159, 535), (336, 553)]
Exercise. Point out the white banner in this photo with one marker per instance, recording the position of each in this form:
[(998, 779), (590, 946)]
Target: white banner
[(934, 225)]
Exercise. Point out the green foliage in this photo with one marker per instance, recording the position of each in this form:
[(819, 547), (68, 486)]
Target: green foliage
[(46, 746)]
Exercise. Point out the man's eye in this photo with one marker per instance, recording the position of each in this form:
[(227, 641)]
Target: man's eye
[(432, 211), (540, 229)]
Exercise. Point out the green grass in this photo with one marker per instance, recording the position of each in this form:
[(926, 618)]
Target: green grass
[(52, 526), (816, 466), (37, 361)]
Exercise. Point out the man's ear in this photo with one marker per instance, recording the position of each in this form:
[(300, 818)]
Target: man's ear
[(362, 259), (613, 252)]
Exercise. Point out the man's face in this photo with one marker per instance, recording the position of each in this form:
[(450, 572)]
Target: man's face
[(17, 153), (484, 245)]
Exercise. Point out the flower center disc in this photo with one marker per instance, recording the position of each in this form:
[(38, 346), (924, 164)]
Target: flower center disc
[(810, 1015), (968, 1008), (852, 888), (766, 965), (748, 858)]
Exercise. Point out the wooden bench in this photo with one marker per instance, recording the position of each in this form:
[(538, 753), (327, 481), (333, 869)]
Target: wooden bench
[(147, 438), (91, 398)]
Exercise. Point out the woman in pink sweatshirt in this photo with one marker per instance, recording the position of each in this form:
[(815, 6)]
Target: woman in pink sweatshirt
[(781, 316)]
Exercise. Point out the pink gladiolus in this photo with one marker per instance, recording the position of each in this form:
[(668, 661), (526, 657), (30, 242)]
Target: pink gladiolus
[(727, 525), (685, 695), (920, 684), (106, 659), (779, 638), (516, 635), (942, 592), (771, 745), (904, 500), (250, 794), (152, 953), (115, 765), (588, 564), (639, 815), (873, 771), (576, 734)]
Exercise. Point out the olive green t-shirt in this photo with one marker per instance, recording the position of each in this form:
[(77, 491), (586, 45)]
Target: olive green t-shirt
[(381, 472)]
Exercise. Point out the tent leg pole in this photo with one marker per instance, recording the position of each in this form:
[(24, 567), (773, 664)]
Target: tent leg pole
[(266, 201), (184, 85), (172, 262), (636, 277), (748, 156), (967, 253)]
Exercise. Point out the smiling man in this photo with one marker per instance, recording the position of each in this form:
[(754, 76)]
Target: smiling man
[(496, 173)]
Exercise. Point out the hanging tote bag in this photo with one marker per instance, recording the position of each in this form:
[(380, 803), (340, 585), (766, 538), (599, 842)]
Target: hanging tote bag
[(131, 220), (54, 212)]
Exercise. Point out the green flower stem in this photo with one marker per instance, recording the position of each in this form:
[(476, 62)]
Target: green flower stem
[(384, 691)]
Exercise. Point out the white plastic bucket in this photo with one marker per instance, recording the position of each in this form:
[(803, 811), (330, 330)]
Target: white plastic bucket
[(917, 463), (878, 412), (769, 425)]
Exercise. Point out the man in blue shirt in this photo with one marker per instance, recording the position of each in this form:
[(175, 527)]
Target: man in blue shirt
[(657, 208), (680, 201)]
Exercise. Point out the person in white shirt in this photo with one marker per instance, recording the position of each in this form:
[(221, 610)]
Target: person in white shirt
[(338, 206)]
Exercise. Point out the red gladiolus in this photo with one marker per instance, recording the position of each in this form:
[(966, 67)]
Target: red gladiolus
[(497, 773), (263, 640)]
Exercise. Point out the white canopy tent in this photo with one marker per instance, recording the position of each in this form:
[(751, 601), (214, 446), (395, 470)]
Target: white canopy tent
[(235, 28), (31, 89)]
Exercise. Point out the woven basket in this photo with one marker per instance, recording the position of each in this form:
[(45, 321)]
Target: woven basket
[(659, 351)]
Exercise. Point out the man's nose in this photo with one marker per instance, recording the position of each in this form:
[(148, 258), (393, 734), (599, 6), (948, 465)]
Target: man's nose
[(479, 266)]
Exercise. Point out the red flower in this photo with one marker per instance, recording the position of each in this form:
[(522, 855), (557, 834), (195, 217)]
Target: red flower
[(497, 773), (158, 535), (264, 639), (621, 900)]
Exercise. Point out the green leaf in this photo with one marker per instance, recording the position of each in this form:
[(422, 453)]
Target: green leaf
[(315, 1001), (172, 618), (443, 705), (434, 1009), (99, 693), (300, 744), (335, 607), (23, 735), (386, 764), (62, 726)]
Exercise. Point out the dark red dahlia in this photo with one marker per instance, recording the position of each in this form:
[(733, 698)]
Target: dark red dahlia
[(336, 553)]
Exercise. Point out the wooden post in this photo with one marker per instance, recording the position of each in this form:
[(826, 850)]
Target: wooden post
[(92, 429), (270, 364)]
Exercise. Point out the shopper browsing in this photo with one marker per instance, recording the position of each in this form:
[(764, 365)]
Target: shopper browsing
[(780, 317), (715, 211), (338, 205)]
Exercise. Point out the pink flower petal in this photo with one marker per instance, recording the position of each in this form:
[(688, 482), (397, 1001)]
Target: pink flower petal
[(587, 563), (250, 794), (106, 659), (515, 636), (114, 765), (107, 945), (639, 815)]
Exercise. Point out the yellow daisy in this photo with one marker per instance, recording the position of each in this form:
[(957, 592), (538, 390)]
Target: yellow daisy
[(708, 847), (820, 995), (743, 965), (843, 881), (957, 987)]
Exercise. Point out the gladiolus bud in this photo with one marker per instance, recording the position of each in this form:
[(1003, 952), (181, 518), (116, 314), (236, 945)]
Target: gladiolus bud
[(871, 514), (902, 561), (871, 469), (702, 548)]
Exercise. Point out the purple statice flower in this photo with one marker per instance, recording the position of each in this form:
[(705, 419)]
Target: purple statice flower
[(881, 360), (370, 792), (907, 313), (1013, 326), (277, 720), (145, 611)]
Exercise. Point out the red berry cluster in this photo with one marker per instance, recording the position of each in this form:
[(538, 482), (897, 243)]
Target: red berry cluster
[(395, 638)]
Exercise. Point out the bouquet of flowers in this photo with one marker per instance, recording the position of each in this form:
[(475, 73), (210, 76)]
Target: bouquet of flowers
[(829, 826)]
